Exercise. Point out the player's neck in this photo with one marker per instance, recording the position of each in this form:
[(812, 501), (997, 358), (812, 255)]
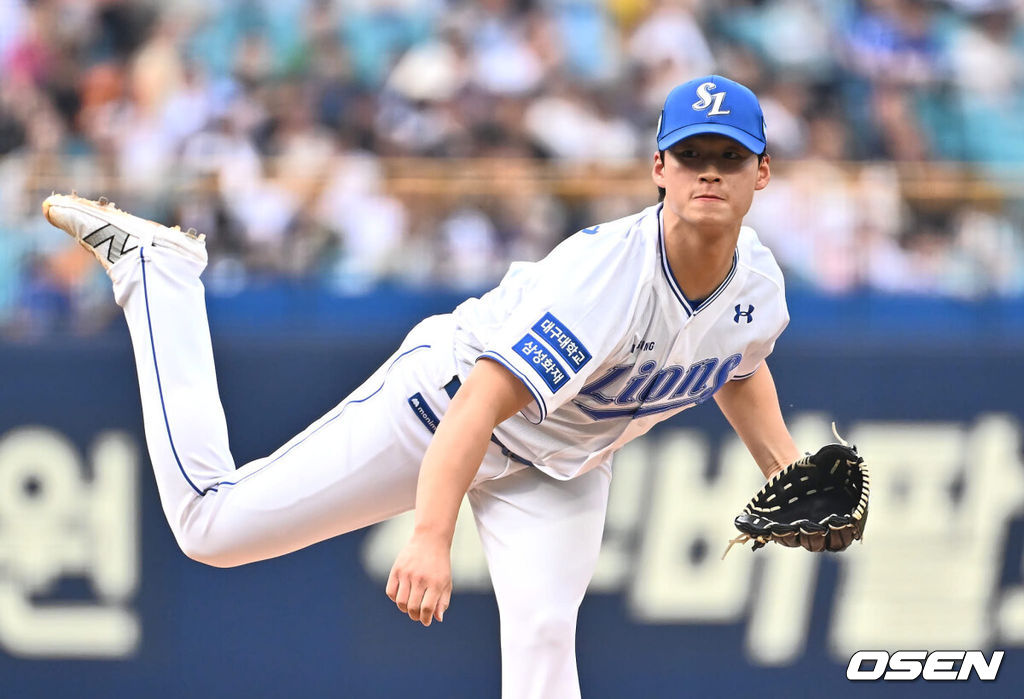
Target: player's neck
[(700, 258)]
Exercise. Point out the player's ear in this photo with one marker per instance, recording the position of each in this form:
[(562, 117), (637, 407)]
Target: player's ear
[(764, 172), (658, 171)]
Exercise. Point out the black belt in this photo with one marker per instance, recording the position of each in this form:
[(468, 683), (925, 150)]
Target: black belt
[(451, 388)]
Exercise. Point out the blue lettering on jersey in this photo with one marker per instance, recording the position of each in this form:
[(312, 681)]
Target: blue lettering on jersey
[(628, 394), (562, 341), (593, 389), (641, 393), (661, 383), (696, 377), (540, 360)]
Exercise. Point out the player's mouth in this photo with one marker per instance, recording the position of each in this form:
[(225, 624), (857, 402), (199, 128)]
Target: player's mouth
[(709, 197)]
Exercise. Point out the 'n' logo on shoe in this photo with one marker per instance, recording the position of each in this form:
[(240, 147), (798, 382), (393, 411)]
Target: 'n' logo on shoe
[(118, 239)]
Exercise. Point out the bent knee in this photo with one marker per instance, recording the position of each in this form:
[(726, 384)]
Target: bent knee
[(209, 551), (541, 627)]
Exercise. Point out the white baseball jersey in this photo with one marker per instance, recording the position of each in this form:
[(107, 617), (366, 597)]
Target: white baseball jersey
[(602, 336)]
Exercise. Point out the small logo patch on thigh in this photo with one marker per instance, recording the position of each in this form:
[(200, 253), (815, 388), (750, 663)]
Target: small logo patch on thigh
[(427, 416)]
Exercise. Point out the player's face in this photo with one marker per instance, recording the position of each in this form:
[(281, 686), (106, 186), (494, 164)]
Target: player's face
[(710, 180)]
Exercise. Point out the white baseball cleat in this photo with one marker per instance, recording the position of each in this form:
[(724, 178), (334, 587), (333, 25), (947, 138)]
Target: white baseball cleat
[(110, 234)]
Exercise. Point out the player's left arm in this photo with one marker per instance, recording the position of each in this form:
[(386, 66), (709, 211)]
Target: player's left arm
[(751, 406)]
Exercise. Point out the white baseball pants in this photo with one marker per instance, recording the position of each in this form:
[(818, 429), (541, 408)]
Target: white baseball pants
[(355, 466)]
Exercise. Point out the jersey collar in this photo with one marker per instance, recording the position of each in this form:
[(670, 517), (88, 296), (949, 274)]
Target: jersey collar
[(674, 286)]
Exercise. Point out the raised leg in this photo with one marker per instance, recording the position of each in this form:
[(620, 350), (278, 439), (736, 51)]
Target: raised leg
[(355, 466)]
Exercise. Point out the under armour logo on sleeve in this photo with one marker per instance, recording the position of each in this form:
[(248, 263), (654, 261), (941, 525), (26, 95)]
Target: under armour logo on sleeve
[(748, 314)]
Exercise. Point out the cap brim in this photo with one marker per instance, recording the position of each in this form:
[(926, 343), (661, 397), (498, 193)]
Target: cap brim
[(751, 143)]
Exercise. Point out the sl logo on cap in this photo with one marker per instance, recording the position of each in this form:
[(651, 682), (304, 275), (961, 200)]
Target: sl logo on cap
[(710, 99)]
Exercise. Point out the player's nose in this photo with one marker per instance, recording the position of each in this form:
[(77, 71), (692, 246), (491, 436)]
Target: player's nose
[(709, 170)]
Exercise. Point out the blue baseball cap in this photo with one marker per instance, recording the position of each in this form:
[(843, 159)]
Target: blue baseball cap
[(712, 104)]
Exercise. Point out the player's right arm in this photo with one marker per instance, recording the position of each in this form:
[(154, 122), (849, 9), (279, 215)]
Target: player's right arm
[(420, 581)]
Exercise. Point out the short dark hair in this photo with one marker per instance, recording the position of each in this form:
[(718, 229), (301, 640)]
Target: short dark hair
[(661, 190), (661, 154)]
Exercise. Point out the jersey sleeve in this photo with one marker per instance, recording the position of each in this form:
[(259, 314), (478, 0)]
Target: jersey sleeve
[(574, 313), (759, 350), (754, 357)]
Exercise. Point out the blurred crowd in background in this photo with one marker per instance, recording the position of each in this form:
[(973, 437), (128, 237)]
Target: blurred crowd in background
[(329, 141)]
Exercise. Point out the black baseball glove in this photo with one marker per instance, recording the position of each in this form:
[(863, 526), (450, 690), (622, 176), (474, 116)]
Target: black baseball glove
[(819, 502)]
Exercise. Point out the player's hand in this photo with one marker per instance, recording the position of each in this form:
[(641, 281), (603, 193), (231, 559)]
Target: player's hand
[(421, 579)]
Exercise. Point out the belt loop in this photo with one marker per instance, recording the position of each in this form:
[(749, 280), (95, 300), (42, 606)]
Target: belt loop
[(453, 386)]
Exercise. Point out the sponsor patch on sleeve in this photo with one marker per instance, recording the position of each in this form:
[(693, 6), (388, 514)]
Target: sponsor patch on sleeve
[(562, 341), (540, 358)]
